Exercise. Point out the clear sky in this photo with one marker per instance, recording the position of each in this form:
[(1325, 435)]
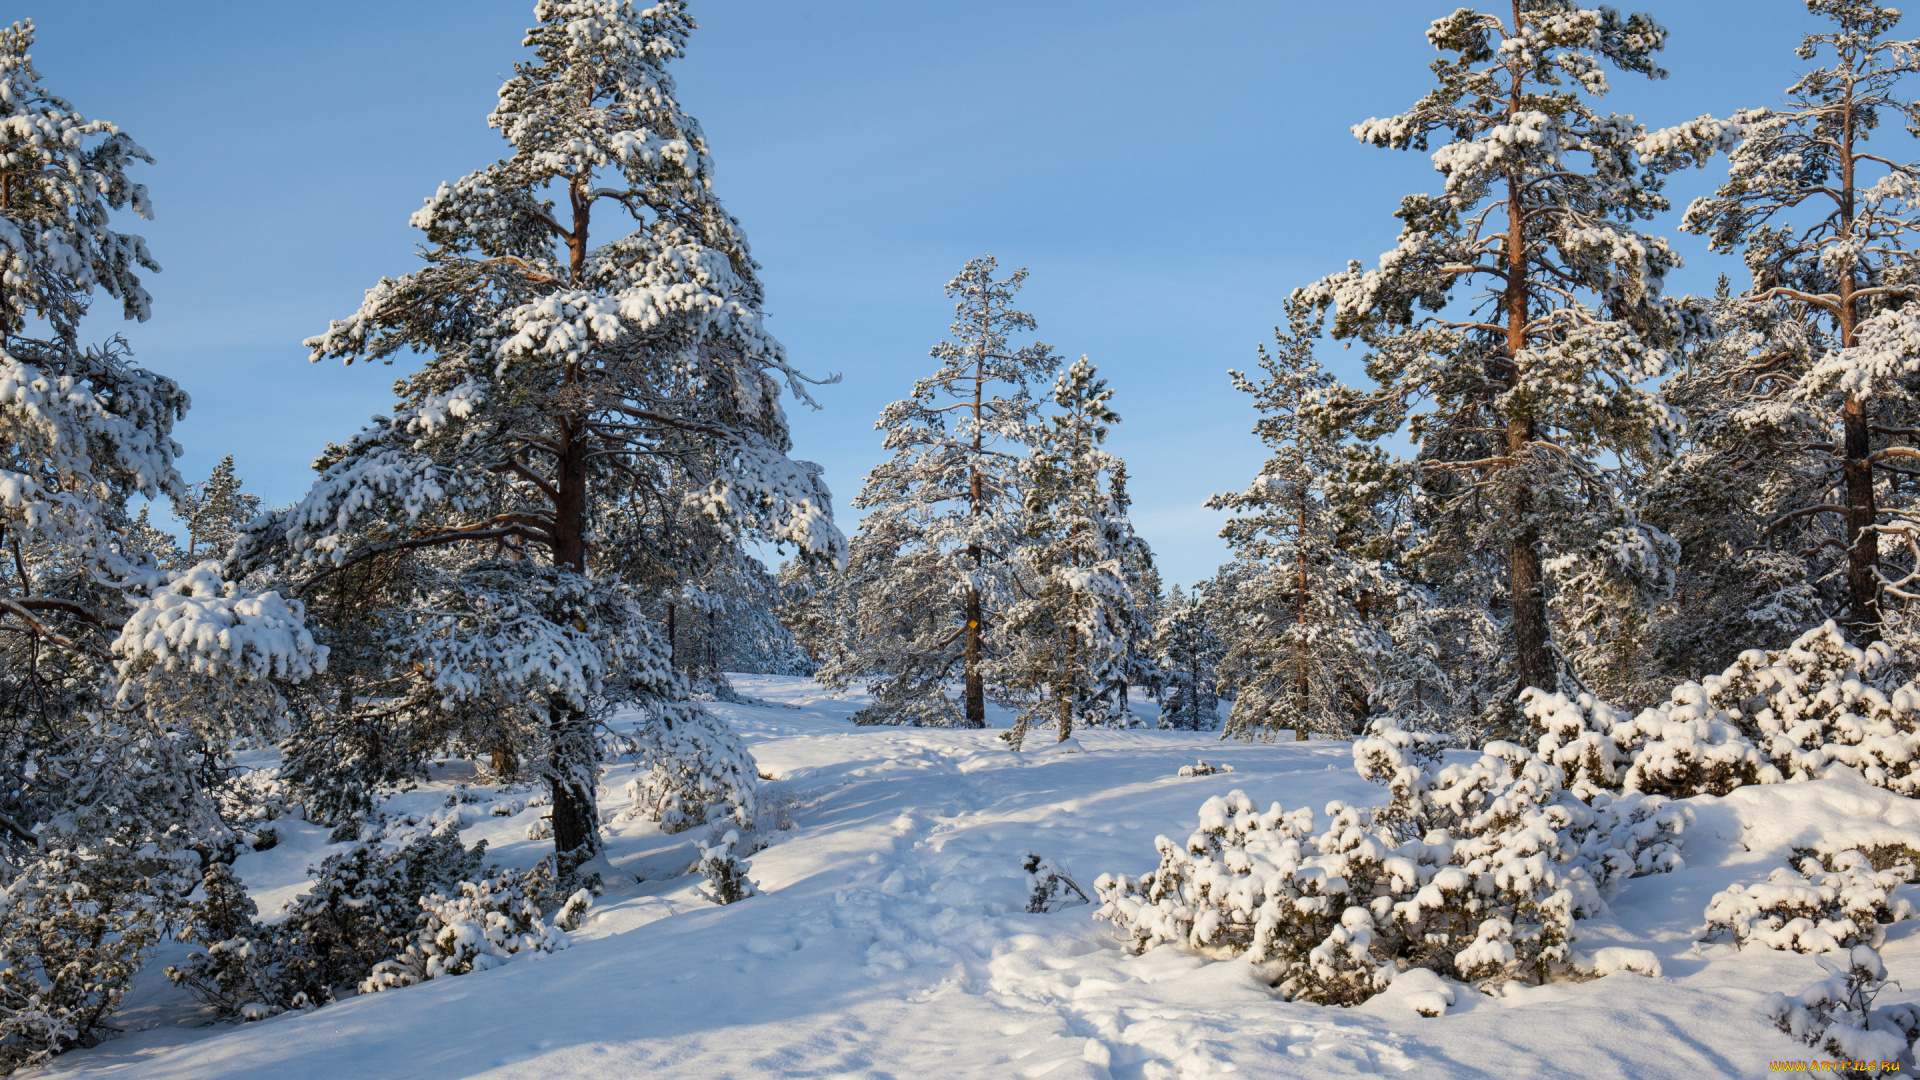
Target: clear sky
[(1168, 172)]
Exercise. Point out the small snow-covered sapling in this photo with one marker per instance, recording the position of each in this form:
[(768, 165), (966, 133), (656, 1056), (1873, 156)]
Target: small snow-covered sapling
[(1048, 887)]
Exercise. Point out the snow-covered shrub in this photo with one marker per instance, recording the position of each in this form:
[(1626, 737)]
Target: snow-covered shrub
[(1835, 899), (238, 970), (1048, 887), (1475, 871), (448, 821), (1684, 747), (1614, 958), (1575, 735), (725, 872), (1424, 992), (378, 917), (1798, 713), (252, 797), (698, 771), (1204, 769), (363, 908), (75, 926), (778, 805), (480, 926), (1836, 1014), (1627, 836)]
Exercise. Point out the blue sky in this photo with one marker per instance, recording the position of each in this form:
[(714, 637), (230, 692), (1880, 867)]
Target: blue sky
[(1168, 172)]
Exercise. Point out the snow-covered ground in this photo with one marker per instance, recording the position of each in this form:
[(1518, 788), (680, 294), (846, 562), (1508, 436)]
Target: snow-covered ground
[(891, 941)]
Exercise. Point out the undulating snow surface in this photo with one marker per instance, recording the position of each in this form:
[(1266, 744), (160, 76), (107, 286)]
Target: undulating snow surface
[(891, 941)]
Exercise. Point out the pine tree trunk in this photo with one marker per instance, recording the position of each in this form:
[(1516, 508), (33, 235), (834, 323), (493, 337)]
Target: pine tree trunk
[(576, 819), (1863, 543), (503, 763), (1066, 691), (1526, 580), (569, 738), (976, 687), (1533, 655), (1300, 620), (673, 638)]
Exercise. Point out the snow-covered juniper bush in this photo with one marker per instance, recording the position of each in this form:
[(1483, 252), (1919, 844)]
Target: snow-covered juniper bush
[(1474, 871)]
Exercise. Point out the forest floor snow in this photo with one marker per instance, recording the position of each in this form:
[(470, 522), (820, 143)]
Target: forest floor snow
[(891, 940)]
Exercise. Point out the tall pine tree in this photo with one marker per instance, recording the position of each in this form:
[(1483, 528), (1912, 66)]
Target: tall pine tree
[(1824, 222), (1309, 617), (1514, 330), (595, 361), (1187, 651), (214, 511), (935, 549), (1752, 572), (1069, 641)]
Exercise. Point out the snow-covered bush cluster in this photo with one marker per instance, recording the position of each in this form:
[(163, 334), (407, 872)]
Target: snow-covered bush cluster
[(1840, 894), (479, 927), (364, 908), (1818, 706), (378, 916), (77, 926), (697, 771), (1836, 1015), (1476, 871)]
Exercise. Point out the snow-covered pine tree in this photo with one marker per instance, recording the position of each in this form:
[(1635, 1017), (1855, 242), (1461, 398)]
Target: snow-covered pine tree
[(1218, 599), (113, 673), (147, 541), (1065, 643), (1846, 263), (1142, 574), (1547, 325), (1307, 640), (1187, 652), (754, 640), (816, 608), (890, 620), (581, 386), (693, 617), (726, 620), (944, 518), (1752, 574), (214, 510)]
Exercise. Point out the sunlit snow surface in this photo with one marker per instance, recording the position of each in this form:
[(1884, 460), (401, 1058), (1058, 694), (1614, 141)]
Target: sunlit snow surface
[(890, 940)]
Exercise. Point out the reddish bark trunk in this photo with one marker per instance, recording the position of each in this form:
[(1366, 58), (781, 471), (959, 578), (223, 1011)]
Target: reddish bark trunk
[(1533, 655), (576, 819), (1856, 448), (1066, 690), (976, 691)]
